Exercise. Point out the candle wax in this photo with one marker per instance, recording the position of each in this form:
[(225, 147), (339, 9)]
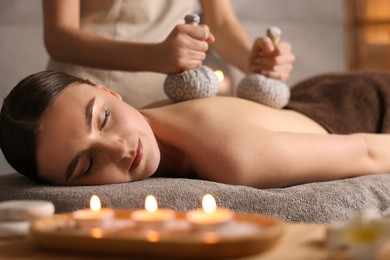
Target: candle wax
[(93, 218), (158, 216), (201, 218)]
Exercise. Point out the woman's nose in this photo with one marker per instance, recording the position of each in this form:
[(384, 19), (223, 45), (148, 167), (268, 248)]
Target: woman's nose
[(115, 147)]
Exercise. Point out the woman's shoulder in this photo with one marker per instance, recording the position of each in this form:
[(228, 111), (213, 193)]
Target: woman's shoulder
[(218, 102), (227, 110), (217, 106), (158, 103)]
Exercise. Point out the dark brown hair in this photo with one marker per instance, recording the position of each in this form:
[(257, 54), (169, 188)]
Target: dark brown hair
[(20, 115)]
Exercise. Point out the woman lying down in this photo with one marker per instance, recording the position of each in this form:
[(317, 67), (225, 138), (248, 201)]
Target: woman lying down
[(59, 129)]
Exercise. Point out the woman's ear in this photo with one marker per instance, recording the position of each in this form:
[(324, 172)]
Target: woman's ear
[(109, 91)]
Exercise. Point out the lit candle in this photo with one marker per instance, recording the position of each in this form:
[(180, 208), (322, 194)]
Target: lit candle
[(152, 214), (210, 215), (95, 216)]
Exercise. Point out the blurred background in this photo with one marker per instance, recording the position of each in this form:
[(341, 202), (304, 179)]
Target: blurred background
[(326, 36)]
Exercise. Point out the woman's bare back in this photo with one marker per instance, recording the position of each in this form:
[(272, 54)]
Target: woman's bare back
[(236, 141), (222, 136), (236, 109)]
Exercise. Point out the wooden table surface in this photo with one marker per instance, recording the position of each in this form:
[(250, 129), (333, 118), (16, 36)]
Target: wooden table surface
[(299, 241)]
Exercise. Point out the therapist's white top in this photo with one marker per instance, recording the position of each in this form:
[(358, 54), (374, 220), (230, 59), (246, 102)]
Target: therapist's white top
[(148, 21)]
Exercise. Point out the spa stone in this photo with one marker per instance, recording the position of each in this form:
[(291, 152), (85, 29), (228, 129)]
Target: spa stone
[(14, 228), (25, 210)]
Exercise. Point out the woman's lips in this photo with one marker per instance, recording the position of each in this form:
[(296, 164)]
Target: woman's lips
[(138, 156)]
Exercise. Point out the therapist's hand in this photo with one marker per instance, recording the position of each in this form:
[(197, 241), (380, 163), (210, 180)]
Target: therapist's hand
[(272, 61), (184, 48)]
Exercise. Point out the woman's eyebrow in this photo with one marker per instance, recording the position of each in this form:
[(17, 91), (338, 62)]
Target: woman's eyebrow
[(88, 114), (88, 120)]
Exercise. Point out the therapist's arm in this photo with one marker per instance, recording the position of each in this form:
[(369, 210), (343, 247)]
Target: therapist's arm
[(234, 45), (231, 40), (65, 41)]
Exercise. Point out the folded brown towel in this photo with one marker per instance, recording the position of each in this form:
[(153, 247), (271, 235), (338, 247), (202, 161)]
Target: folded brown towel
[(346, 103)]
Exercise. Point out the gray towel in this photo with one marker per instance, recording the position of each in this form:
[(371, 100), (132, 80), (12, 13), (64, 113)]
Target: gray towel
[(321, 202)]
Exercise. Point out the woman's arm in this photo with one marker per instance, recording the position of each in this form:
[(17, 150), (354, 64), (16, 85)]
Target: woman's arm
[(284, 159), (65, 41)]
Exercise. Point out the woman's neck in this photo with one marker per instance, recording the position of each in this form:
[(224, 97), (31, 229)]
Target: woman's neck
[(173, 163)]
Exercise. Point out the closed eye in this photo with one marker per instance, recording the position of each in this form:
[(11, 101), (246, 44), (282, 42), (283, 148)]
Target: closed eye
[(89, 168), (107, 115)]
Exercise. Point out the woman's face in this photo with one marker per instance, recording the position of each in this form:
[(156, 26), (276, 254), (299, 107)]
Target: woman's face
[(89, 136)]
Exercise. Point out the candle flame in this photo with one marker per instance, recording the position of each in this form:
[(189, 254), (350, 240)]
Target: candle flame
[(208, 203), (151, 203), (95, 203), (219, 74)]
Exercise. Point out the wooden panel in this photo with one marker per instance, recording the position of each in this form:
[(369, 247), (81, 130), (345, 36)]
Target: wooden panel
[(368, 30)]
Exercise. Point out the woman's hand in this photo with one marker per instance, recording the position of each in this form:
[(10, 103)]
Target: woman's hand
[(184, 48), (270, 60)]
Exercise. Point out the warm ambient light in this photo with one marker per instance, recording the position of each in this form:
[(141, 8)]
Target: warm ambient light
[(151, 203), (95, 203), (208, 203), (153, 236), (220, 75), (224, 82), (96, 232)]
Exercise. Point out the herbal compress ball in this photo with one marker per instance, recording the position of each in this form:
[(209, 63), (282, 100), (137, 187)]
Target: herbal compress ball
[(193, 83), (266, 91)]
